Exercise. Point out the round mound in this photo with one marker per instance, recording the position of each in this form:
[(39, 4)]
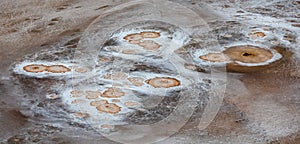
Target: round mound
[(133, 37), (163, 82), (113, 93), (149, 45), (248, 54), (150, 34), (215, 57), (57, 69), (109, 108), (35, 68)]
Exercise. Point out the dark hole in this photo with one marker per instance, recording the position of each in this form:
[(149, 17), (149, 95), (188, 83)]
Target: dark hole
[(247, 54)]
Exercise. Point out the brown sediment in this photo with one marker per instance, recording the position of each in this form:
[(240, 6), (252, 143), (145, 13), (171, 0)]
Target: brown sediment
[(296, 25), (98, 102), (80, 115), (150, 34), (193, 67), (57, 69), (115, 100), (81, 70), (257, 35), (76, 93), (128, 51), (149, 45), (77, 101), (133, 37), (53, 96), (106, 126), (104, 59), (136, 81), (116, 76), (163, 82), (285, 60), (35, 68), (215, 57), (290, 38), (248, 54), (134, 41), (130, 104), (93, 94), (113, 93), (109, 108)]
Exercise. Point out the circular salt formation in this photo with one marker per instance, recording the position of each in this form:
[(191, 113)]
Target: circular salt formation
[(76, 93), (81, 115), (136, 81), (116, 76), (77, 101), (133, 37), (115, 101), (131, 104), (98, 102), (150, 34), (109, 108), (163, 82), (106, 126), (129, 52), (57, 69), (149, 45), (81, 70), (248, 54), (257, 35), (92, 94), (35, 68), (113, 93), (215, 57)]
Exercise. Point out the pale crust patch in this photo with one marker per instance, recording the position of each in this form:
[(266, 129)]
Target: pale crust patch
[(113, 93), (136, 81)]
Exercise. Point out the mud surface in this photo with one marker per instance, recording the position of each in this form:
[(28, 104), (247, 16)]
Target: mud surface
[(143, 72)]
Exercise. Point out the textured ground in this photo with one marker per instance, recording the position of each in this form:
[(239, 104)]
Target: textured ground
[(260, 105)]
